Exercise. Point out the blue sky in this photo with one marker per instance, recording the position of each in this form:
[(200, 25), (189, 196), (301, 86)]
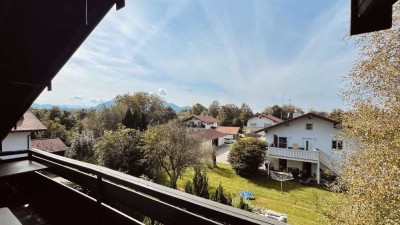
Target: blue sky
[(259, 52)]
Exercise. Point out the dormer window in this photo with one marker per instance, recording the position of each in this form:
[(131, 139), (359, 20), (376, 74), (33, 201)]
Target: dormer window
[(309, 126)]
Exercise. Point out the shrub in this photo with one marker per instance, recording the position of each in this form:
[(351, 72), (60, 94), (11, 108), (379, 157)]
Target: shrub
[(189, 187), (241, 203), (246, 155), (220, 197), (200, 184)]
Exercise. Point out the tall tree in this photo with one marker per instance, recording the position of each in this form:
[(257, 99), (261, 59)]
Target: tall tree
[(336, 114), (214, 108), (198, 109), (82, 146), (174, 148), (122, 150), (245, 113), (368, 189), (229, 115)]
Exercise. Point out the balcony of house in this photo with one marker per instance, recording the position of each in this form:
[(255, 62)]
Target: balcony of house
[(293, 154), (43, 188)]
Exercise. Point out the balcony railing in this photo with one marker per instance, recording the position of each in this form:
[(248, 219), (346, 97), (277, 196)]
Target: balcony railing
[(293, 154), (110, 188)]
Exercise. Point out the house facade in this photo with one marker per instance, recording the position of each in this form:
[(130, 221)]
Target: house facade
[(207, 122), (306, 144), (210, 137), (230, 132), (261, 121), (19, 138)]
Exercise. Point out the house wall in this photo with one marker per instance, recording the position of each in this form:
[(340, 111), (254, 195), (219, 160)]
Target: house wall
[(320, 136), (210, 125), (16, 141), (260, 122), (221, 141)]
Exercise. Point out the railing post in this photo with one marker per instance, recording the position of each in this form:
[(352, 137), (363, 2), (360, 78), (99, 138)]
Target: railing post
[(99, 196)]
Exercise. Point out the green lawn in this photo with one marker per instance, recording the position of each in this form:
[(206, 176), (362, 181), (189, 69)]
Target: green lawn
[(297, 201)]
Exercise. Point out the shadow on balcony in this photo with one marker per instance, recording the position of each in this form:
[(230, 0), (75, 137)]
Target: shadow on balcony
[(98, 195)]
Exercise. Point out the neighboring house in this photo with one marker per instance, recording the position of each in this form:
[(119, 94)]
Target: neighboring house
[(230, 132), (261, 121), (52, 145), (210, 137), (207, 122), (306, 143), (19, 137)]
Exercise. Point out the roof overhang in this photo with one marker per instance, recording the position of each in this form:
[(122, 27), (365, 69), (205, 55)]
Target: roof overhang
[(37, 39)]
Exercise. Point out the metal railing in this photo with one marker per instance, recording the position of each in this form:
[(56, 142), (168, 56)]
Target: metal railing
[(330, 163), (165, 205)]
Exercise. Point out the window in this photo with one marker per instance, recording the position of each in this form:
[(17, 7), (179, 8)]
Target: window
[(282, 142), (337, 145), (309, 126)]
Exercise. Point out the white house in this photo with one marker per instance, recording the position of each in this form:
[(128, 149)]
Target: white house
[(261, 121), (19, 137), (207, 122), (306, 143), (210, 137), (230, 132)]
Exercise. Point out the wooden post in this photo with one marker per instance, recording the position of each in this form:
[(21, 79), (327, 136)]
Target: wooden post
[(318, 169)]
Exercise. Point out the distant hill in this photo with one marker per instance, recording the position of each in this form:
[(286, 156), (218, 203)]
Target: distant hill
[(110, 103), (176, 108), (64, 107), (104, 104)]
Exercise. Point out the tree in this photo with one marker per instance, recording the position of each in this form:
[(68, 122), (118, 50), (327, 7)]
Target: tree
[(163, 116), (197, 109), (82, 145), (122, 150), (219, 196), (200, 183), (213, 109), (285, 112), (129, 120), (275, 110), (174, 148), (245, 113), (336, 114), (368, 189), (55, 112), (229, 115), (246, 155)]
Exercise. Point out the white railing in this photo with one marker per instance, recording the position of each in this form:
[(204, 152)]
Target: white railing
[(292, 153), (329, 162)]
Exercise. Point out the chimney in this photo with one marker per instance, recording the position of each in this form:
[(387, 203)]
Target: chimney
[(297, 114)]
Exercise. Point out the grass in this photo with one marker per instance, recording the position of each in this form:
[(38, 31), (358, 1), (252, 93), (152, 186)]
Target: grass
[(297, 200)]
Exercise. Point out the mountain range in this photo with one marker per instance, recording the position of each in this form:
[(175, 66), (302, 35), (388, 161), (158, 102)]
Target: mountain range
[(175, 107)]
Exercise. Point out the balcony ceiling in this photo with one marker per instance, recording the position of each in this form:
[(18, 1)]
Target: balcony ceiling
[(37, 37)]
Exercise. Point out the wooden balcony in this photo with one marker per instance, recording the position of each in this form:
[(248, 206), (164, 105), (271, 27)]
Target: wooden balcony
[(293, 154), (108, 196)]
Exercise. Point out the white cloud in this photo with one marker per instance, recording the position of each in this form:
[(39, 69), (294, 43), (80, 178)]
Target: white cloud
[(77, 98), (162, 91)]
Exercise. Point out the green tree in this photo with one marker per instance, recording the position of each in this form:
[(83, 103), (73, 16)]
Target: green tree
[(219, 196), (245, 113), (229, 115), (214, 108), (82, 146), (163, 116), (174, 148), (200, 183), (336, 114), (129, 120), (122, 150), (55, 112), (368, 189), (246, 155), (197, 109)]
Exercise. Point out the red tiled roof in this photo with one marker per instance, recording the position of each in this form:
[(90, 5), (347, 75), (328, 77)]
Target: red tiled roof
[(206, 119), (29, 122), (209, 134), (271, 117), (228, 130), (49, 145)]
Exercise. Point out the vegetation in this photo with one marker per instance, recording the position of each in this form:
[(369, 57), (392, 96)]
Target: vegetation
[(122, 150), (299, 202), (174, 148), (370, 181), (219, 196), (82, 146), (246, 155)]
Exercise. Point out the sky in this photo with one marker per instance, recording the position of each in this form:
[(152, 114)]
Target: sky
[(261, 52)]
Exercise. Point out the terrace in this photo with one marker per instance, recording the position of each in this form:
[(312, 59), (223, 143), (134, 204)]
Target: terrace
[(109, 196)]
